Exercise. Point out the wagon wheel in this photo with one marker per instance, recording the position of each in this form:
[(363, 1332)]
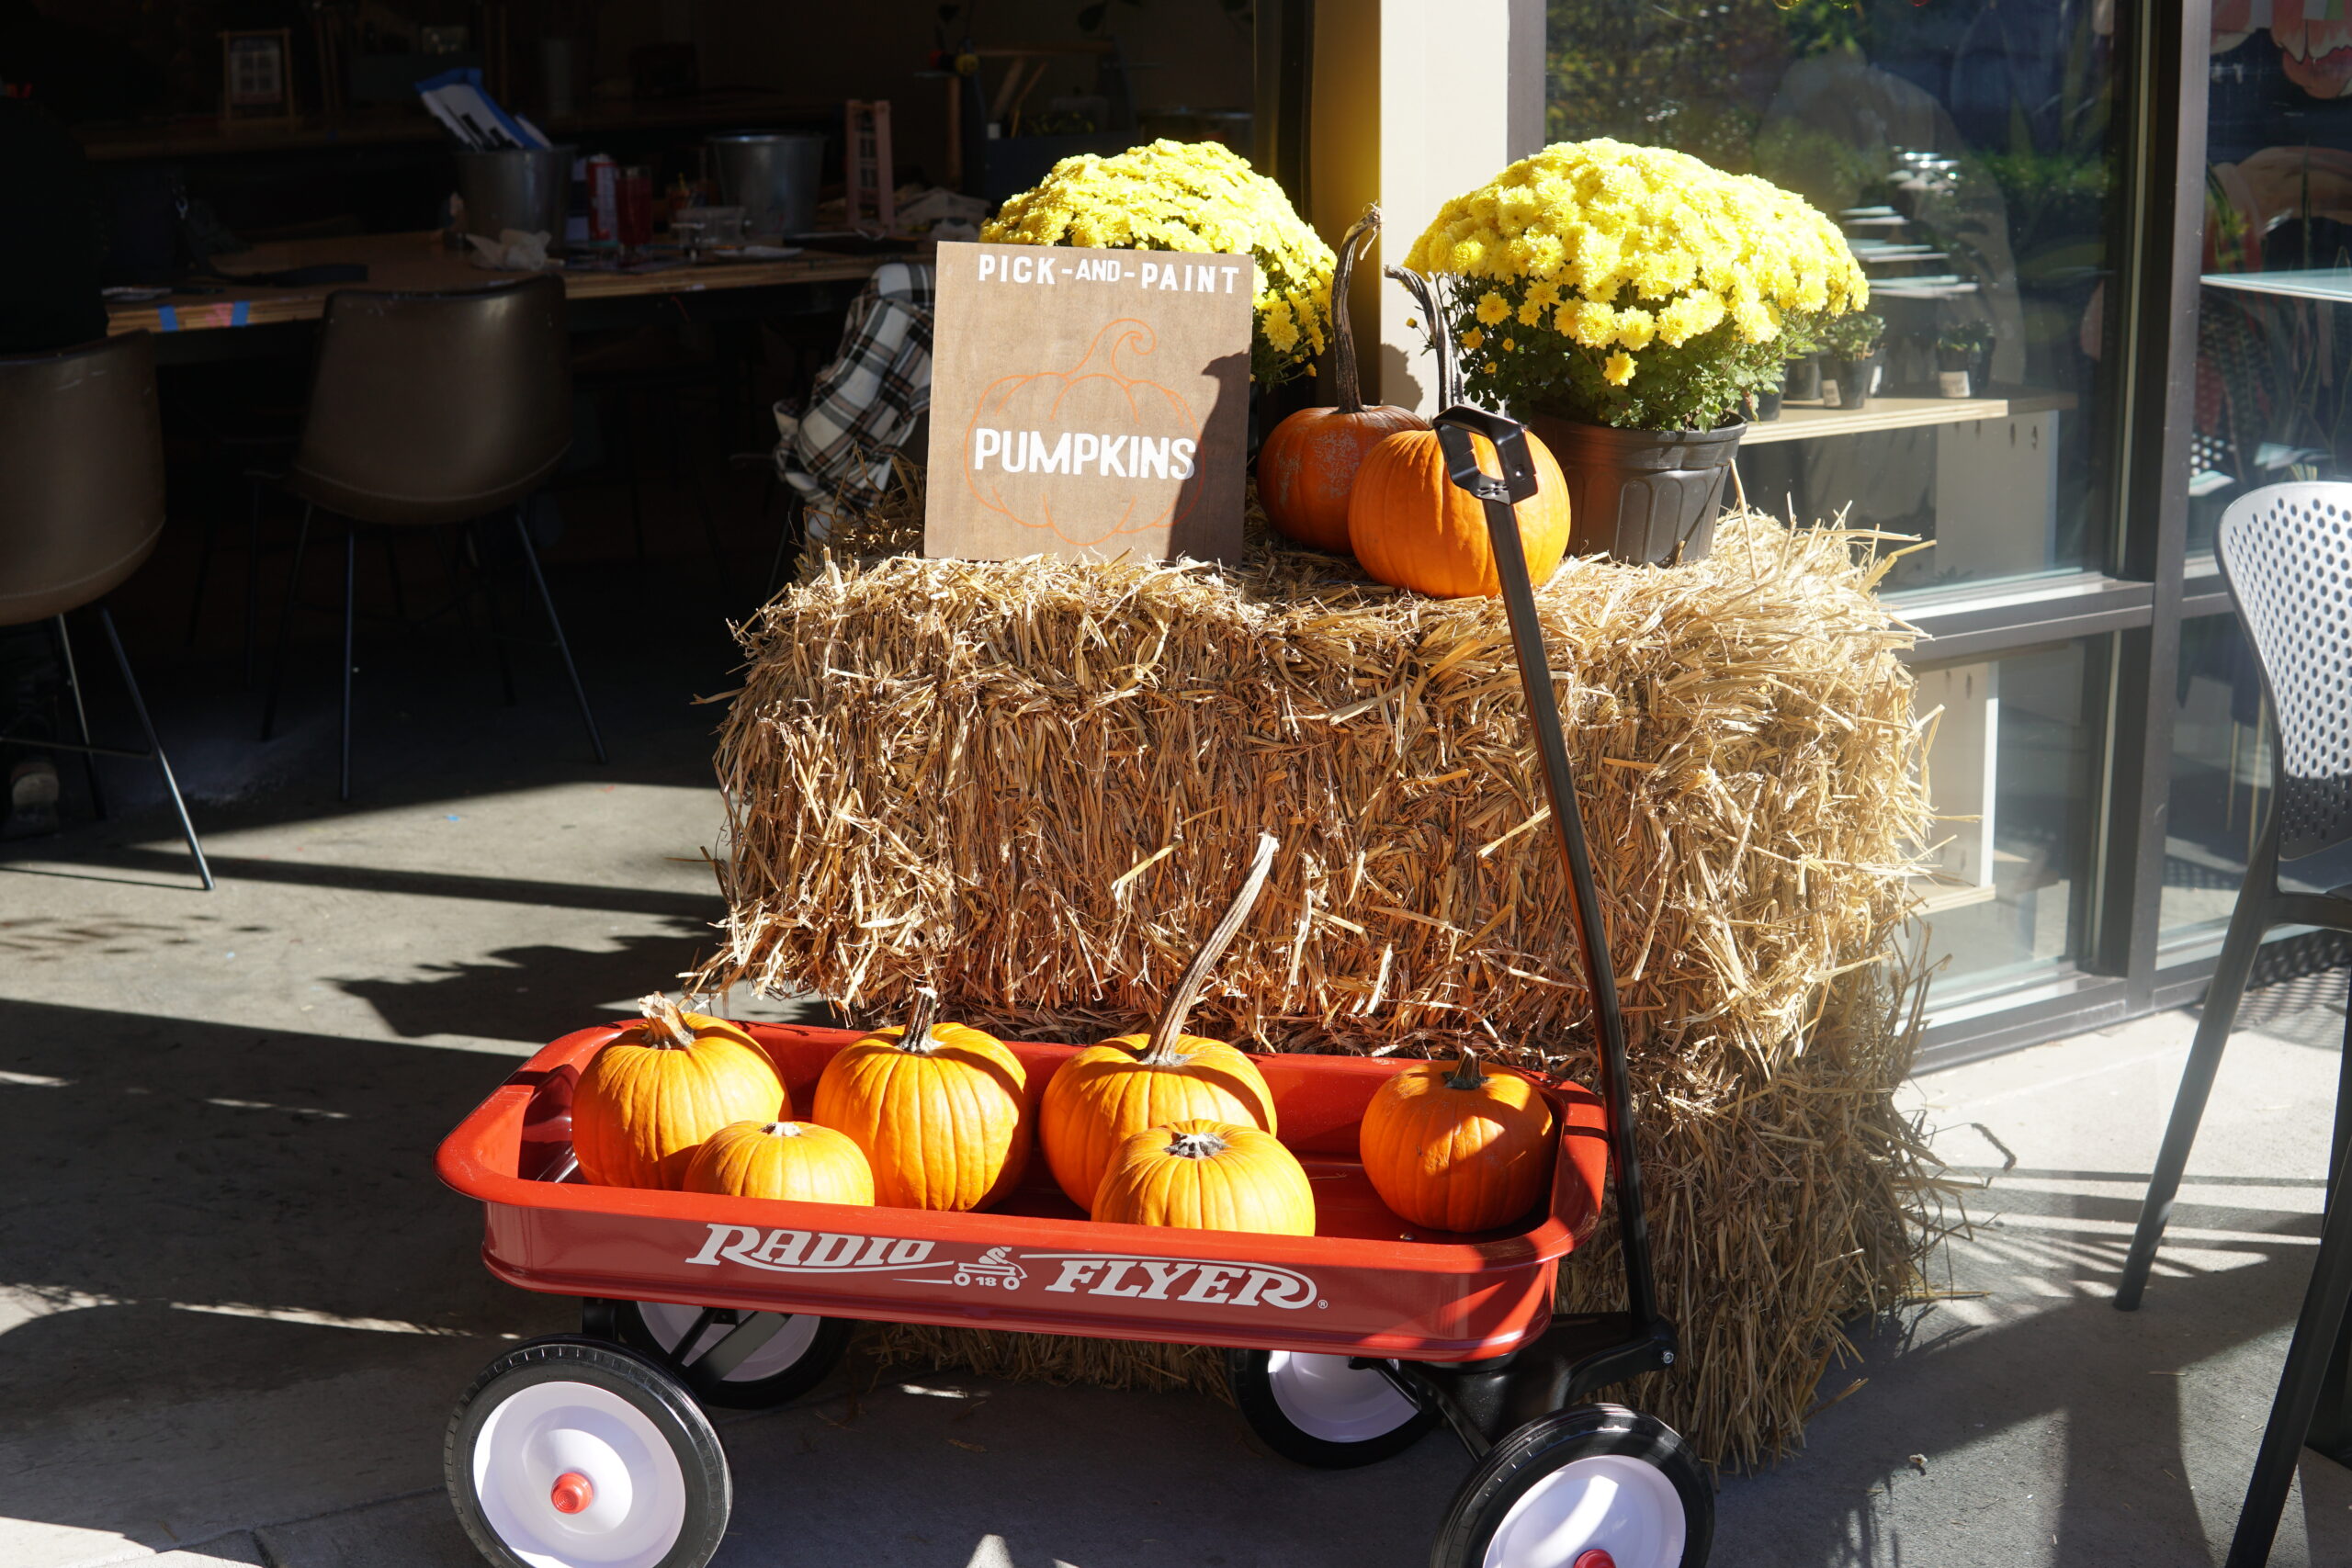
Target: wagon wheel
[(786, 1362), (568, 1453), (1594, 1486), (1319, 1410)]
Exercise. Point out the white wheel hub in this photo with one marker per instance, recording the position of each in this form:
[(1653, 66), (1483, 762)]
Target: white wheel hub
[(668, 1323), (1324, 1397), (1608, 1504), (572, 1475)]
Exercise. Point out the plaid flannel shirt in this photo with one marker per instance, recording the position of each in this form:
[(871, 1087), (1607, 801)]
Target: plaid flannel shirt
[(864, 404)]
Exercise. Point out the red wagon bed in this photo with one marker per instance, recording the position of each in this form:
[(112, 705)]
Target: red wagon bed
[(1367, 1282)]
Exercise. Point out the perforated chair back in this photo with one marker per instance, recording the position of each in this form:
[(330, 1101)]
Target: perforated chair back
[(437, 407), (2286, 552), (81, 474)]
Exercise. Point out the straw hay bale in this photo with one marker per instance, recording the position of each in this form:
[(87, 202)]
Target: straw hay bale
[(1031, 784)]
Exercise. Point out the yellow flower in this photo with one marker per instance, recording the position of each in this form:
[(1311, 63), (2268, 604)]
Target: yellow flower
[(1492, 311), (1620, 368), (1198, 197), (1474, 339)]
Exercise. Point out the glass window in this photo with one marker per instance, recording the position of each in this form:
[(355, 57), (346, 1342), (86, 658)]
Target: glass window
[(2274, 342), (2013, 770), (1966, 149), (2221, 776), (2221, 790)]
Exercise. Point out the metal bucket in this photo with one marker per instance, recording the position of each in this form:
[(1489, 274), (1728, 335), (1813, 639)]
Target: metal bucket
[(772, 176), (527, 188)]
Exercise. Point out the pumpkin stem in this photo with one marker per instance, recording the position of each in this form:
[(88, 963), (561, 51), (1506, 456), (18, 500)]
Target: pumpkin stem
[(1195, 1145), (1162, 1052), (1467, 1073), (916, 1035), (1449, 385), (781, 1129), (669, 1031), (1343, 338)]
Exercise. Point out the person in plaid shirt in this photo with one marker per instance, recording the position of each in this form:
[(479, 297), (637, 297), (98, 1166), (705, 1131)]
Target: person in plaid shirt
[(864, 406)]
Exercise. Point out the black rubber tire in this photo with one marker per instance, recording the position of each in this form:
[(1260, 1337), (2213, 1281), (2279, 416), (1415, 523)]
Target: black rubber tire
[(569, 1358), (816, 1363), (1253, 1394), (1548, 1442)]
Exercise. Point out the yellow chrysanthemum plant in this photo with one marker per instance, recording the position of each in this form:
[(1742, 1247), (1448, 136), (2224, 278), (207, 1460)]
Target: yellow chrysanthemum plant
[(1198, 196), (1631, 286)]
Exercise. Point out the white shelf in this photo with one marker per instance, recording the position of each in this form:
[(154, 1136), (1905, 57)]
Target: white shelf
[(2332, 283), (1810, 422)]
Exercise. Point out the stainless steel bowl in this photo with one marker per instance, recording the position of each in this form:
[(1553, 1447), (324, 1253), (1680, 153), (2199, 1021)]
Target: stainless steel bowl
[(526, 188), (772, 176)]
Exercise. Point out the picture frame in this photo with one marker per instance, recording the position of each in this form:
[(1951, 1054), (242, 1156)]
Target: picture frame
[(257, 78)]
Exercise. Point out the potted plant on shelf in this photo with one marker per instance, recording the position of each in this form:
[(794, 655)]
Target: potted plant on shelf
[(1625, 301), (1852, 342), (1799, 358), (1964, 356)]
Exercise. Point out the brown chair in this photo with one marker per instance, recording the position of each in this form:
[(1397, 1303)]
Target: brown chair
[(81, 506), (431, 409)]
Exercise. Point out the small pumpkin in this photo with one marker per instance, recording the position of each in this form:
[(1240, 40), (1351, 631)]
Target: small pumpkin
[(1108, 1093), (1307, 468), (1455, 1148), (650, 1097), (941, 1111), (1208, 1176), (797, 1160), (1411, 527)]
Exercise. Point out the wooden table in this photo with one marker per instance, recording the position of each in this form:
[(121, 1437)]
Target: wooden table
[(195, 324)]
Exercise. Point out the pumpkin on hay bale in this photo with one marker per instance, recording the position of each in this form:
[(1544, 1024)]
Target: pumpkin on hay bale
[(1022, 782)]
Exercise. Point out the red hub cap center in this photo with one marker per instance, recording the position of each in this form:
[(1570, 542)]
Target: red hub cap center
[(573, 1492), (1596, 1558)]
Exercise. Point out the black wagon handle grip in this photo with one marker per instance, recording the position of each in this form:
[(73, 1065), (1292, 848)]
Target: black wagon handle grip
[(1499, 494)]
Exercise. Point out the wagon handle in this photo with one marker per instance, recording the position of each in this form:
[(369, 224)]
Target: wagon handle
[(1501, 493)]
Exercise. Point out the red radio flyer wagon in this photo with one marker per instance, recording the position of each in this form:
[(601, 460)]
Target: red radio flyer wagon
[(591, 1451)]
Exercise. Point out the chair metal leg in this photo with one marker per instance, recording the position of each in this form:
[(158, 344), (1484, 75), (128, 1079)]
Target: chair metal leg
[(156, 747), (2331, 1429), (286, 625), (626, 449), (80, 718), (252, 588), (2316, 1331), (791, 538), (2248, 921), (203, 574), (392, 570), (350, 618), (483, 585), (547, 604)]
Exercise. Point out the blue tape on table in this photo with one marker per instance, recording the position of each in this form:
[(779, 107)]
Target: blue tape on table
[(239, 312)]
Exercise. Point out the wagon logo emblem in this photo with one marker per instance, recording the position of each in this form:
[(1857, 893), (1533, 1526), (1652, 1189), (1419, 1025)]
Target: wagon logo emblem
[(1203, 1280), (811, 1252), (1177, 1278)]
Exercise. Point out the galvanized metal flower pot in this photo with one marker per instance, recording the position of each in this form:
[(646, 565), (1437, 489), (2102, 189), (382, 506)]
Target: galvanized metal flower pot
[(1645, 496)]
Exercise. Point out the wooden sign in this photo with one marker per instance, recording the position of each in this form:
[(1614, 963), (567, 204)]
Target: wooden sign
[(1088, 403)]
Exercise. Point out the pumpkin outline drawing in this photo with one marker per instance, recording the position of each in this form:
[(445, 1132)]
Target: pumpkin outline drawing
[(993, 408)]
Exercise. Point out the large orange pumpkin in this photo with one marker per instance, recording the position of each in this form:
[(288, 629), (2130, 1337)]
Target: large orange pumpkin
[(1208, 1176), (1307, 468), (1412, 527), (939, 1110), (798, 1160), (1108, 1093), (1454, 1147), (649, 1097), (1096, 414)]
